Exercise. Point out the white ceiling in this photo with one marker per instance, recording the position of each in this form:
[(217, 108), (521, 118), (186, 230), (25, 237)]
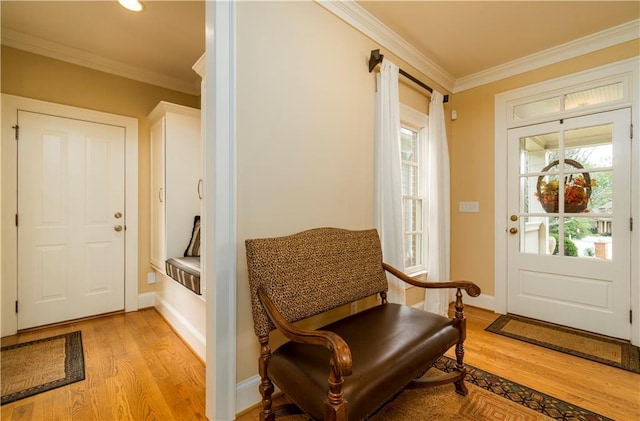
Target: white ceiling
[(161, 44)]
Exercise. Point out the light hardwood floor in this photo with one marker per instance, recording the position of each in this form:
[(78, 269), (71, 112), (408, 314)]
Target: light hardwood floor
[(138, 369)]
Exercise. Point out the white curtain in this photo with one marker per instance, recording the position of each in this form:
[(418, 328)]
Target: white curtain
[(438, 225), (388, 175)]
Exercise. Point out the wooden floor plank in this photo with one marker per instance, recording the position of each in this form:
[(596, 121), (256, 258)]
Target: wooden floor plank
[(137, 369)]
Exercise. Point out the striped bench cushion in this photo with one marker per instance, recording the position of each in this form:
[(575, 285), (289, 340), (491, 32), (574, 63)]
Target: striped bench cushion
[(185, 270)]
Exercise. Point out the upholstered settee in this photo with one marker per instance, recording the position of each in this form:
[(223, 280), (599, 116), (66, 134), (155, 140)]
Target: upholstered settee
[(350, 368)]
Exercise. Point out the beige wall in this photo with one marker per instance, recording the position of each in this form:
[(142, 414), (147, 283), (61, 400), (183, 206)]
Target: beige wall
[(305, 131), (33, 76), (471, 143)]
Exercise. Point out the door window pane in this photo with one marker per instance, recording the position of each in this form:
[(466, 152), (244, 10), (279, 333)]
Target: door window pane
[(534, 151), (591, 147), (601, 200), (588, 238), (535, 237)]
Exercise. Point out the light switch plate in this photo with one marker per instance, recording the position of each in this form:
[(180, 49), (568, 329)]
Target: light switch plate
[(151, 278), (469, 207)]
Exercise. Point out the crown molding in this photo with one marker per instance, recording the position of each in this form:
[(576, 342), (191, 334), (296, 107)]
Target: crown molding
[(46, 48), (590, 43), (369, 25)]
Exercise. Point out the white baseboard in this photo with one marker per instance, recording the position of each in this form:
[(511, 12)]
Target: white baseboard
[(483, 301), (196, 340), (146, 299), (248, 394)]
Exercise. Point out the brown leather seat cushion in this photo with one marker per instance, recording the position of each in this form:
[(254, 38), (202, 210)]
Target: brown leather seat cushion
[(390, 344)]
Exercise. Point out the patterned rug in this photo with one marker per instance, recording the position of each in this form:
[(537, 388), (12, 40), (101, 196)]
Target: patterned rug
[(33, 367), (594, 347), (490, 398)]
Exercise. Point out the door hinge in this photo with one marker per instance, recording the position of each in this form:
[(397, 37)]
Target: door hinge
[(16, 306), (631, 316), (630, 224), (631, 131), (17, 129), (16, 219)]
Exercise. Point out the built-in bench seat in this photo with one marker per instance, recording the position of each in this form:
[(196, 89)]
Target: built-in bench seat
[(186, 271)]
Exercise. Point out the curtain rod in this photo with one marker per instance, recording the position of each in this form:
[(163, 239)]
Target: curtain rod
[(376, 58)]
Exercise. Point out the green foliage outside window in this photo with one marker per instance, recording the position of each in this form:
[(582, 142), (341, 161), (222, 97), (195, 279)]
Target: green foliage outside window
[(570, 248)]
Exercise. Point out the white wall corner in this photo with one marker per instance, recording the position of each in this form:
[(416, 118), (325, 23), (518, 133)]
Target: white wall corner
[(183, 327), (146, 300)]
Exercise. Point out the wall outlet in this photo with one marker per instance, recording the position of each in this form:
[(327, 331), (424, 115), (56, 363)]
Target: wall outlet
[(469, 207), (151, 277)]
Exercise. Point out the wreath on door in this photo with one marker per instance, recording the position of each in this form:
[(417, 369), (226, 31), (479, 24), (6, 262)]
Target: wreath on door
[(577, 190)]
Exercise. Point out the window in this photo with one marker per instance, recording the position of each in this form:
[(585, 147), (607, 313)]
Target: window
[(589, 96), (414, 188)]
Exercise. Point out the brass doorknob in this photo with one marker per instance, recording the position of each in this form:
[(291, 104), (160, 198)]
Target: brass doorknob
[(513, 230), (118, 228)]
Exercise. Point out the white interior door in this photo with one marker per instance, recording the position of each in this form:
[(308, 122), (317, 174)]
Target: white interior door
[(71, 228), (569, 260)]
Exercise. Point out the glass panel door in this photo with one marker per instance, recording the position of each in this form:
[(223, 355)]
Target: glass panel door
[(568, 233)]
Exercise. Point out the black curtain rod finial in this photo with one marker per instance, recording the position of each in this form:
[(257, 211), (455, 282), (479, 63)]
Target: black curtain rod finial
[(374, 59)]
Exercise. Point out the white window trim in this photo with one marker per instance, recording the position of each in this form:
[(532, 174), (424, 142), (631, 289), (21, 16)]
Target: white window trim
[(416, 121)]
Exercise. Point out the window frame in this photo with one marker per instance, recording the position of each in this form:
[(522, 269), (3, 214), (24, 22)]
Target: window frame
[(416, 121)]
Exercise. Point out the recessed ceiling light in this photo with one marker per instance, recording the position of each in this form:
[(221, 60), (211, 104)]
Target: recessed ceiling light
[(133, 5)]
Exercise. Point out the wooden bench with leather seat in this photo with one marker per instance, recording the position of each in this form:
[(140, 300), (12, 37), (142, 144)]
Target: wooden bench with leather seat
[(350, 368)]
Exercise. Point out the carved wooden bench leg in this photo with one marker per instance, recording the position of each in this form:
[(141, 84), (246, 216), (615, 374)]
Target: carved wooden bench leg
[(461, 388), (266, 386), (335, 407)]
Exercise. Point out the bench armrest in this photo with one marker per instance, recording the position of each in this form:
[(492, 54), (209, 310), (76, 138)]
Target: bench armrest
[(472, 289), (340, 352)]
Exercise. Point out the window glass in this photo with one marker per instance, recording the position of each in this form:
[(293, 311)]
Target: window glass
[(532, 109), (570, 101), (594, 96), (412, 201)]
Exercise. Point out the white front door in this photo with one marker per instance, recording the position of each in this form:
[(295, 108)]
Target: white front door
[(71, 222), (569, 260)]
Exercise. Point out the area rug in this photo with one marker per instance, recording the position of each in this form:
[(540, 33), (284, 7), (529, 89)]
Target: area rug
[(603, 349), (490, 398), (33, 367)]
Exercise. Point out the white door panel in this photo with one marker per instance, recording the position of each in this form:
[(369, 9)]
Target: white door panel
[(70, 192), (585, 282)]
